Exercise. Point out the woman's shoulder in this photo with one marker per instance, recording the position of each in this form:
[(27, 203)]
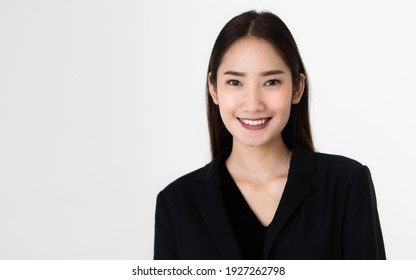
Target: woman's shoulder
[(334, 173), (339, 166), (207, 174), (337, 161), (185, 182), (306, 161), (184, 179)]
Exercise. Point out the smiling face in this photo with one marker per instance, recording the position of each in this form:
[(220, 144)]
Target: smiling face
[(254, 92)]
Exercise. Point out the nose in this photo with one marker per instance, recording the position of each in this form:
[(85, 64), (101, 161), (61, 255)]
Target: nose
[(253, 101)]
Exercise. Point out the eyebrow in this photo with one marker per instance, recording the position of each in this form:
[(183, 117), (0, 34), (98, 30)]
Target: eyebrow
[(263, 74)]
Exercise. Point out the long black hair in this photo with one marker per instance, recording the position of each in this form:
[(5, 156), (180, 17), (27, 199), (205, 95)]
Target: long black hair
[(267, 26)]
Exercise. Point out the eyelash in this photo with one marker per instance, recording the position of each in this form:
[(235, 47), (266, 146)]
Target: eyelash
[(234, 83), (274, 82), (268, 83)]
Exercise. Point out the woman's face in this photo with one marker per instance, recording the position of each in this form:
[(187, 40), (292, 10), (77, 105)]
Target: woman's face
[(254, 92)]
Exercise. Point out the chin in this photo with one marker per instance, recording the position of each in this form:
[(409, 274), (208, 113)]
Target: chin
[(254, 143)]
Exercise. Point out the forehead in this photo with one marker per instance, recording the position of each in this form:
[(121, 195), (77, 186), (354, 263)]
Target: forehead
[(251, 54)]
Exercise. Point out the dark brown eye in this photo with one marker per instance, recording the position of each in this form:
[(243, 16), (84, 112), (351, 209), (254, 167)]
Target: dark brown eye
[(234, 83), (272, 83)]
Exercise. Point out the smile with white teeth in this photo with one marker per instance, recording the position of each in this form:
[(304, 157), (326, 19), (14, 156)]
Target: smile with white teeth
[(254, 122)]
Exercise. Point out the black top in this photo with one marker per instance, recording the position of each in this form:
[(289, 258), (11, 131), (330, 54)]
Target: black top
[(248, 230), (328, 210)]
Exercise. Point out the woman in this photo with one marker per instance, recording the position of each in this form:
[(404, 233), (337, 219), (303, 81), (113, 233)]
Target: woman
[(266, 194)]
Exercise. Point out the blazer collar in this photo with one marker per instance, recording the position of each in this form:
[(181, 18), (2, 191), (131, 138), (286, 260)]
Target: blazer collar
[(213, 209), (300, 181)]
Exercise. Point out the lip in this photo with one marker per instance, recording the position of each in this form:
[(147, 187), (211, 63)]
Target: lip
[(254, 127)]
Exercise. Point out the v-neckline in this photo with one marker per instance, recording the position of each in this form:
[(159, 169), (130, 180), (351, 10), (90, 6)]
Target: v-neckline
[(213, 209), (248, 211)]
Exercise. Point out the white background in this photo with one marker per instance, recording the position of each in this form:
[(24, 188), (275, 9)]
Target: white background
[(102, 104)]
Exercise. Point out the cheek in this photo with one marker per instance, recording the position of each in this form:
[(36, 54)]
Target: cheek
[(281, 103), (226, 110), (227, 103)]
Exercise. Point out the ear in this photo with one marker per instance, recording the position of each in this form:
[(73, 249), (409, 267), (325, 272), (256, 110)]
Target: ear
[(212, 90), (297, 95)]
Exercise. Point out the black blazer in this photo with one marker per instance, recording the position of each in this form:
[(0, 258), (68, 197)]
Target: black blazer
[(327, 211)]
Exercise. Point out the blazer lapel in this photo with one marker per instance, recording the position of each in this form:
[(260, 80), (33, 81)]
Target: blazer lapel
[(297, 188), (212, 207)]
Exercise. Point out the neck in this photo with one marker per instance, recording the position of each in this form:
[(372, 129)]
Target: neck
[(260, 162)]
